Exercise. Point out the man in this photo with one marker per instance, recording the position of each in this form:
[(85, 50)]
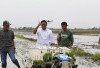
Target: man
[(7, 45), (65, 37), (44, 35)]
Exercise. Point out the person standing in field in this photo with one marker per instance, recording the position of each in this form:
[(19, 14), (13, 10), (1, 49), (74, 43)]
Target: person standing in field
[(65, 37), (7, 45), (99, 40), (44, 35)]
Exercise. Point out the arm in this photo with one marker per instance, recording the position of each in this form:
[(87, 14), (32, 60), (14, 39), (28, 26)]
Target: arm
[(14, 46), (35, 30), (71, 40), (13, 42), (58, 39), (99, 40), (57, 43), (52, 41)]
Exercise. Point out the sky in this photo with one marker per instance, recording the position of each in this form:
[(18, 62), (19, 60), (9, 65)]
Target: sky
[(28, 13)]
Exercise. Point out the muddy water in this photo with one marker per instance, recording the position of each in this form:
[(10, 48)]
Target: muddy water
[(86, 43), (23, 47), (83, 63), (79, 39)]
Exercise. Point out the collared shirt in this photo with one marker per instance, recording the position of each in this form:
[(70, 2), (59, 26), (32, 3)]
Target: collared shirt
[(44, 37), (6, 40)]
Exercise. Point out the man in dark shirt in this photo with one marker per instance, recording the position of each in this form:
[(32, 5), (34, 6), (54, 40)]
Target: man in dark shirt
[(65, 37), (7, 45)]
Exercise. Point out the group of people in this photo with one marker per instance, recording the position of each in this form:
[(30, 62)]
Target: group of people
[(44, 38)]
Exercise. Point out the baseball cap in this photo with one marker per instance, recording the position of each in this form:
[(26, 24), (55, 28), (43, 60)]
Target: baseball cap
[(6, 23)]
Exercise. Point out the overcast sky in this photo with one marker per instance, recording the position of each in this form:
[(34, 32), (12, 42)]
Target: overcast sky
[(78, 13)]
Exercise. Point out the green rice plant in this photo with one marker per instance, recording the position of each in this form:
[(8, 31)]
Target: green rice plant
[(79, 52), (72, 55), (96, 56), (56, 53), (47, 57), (38, 63)]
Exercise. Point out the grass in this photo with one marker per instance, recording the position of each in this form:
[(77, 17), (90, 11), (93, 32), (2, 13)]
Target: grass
[(20, 36), (96, 56), (86, 31)]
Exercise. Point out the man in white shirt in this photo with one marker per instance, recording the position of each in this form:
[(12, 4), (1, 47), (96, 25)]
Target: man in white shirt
[(44, 35)]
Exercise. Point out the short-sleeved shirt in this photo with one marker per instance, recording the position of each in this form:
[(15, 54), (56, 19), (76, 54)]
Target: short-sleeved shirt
[(65, 38), (44, 37), (6, 40)]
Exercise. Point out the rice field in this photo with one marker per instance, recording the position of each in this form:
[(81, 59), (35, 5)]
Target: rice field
[(86, 43)]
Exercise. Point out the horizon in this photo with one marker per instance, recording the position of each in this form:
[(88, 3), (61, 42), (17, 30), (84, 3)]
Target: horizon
[(27, 13)]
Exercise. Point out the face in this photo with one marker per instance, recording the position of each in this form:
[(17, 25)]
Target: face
[(5, 27), (43, 25), (64, 27)]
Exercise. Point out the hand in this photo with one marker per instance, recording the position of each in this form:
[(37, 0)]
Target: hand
[(70, 47), (52, 44), (39, 24), (14, 50), (57, 46)]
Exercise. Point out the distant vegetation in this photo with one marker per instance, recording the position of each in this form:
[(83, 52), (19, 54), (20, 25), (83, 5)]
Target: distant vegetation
[(31, 28), (23, 28), (77, 31)]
